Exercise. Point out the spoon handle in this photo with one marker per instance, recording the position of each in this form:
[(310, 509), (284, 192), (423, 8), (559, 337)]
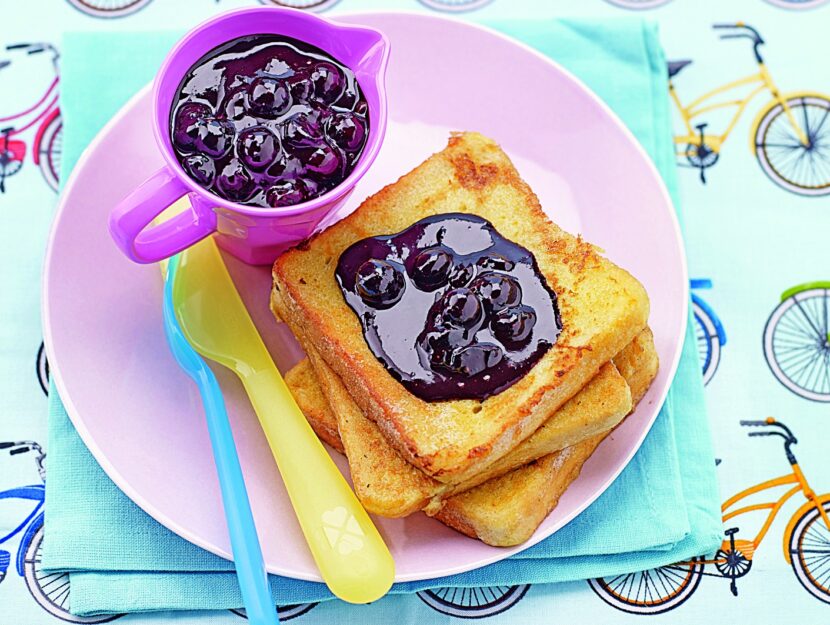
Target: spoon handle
[(350, 553), (247, 553), (250, 568)]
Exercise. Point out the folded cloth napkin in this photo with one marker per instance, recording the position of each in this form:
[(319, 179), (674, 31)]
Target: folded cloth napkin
[(664, 506)]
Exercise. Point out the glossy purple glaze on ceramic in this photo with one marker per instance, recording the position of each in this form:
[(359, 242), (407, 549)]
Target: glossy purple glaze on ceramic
[(142, 419)]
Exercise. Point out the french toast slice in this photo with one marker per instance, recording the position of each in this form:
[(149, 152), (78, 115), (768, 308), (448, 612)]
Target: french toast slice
[(602, 309), (507, 510), (300, 379), (503, 511), (389, 486)]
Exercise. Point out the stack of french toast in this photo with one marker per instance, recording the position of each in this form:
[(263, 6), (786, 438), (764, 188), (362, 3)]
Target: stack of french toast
[(522, 405)]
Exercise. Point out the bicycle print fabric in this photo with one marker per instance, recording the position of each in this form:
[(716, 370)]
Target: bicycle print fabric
[(755, 230)]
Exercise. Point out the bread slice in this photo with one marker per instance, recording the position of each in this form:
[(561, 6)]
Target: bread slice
[(389, 486), (602, 307), (306, 391), (507, 510)]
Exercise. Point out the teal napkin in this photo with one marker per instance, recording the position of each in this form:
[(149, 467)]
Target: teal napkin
[(664, 506)]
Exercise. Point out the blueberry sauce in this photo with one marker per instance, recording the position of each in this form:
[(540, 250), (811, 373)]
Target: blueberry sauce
[(268, 121), (451, 308)]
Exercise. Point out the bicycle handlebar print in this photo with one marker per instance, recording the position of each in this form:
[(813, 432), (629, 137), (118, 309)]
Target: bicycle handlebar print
[(753, 35), (741, 26), (20, 447)]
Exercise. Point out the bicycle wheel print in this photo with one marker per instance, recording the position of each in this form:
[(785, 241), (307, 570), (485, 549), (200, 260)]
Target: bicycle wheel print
[(285, 612), (51, 590), (51, 149), (810, 553), (797, 4), (639, 5), (708, 342), (109, 8), (650, 592), (9, 166), (42, 369), (306, 5), (472, 603), (455, 6), (785, 159), (797, 343)]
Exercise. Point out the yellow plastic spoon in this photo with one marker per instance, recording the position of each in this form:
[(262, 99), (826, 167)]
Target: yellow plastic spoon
[(350, 553)]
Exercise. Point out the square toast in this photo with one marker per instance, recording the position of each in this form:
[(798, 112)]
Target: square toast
[(389, 486), (602, 309), (506, 510)]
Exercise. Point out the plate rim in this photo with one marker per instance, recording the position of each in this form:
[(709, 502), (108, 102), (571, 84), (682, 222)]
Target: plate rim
[(498, 553)]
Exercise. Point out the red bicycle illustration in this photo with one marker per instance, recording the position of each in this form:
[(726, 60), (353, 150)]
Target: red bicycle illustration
[(44, 115)]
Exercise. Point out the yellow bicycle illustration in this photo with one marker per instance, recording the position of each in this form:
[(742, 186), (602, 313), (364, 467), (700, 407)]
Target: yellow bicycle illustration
[(790, 135), (806, 545)]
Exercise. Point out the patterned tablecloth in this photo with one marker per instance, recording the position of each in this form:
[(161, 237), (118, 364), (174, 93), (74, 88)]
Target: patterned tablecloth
[(757, 227)]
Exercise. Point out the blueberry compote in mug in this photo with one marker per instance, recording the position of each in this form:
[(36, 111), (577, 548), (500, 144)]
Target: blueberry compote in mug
[(266, 119)]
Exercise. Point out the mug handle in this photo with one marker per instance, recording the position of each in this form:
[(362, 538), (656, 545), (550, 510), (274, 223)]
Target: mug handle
[(129, 221)]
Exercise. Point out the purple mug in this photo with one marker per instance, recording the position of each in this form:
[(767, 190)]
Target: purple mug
[(252, 233)]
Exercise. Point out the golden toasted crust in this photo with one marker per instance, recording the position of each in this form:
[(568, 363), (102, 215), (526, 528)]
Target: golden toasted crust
[(389, 486), (602, 309), (503, 511), (638, 364), (506, 511), (305, 389)]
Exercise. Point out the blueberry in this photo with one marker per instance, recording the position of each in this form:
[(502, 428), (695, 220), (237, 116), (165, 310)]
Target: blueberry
[(258, 148), (214, 137), (497, 291), (287, 193), (513, 326), (347, 130), (379, 283), (349, 98), (461, 308), (234, 182), (436, 347), (475, 359), (431, 269), (268, 97), (462, 275), (185, 127), (235, 104), (322, 160), (201, 168), (285, 166), (303, 129), (300, 87), (328, 82)]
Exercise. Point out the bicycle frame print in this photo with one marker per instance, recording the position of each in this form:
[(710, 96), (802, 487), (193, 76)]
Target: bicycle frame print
[(801, 485), (763, 81), (36, 493)]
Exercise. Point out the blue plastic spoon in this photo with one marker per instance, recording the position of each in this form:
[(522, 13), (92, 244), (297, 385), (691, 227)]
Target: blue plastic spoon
[(247, 553)]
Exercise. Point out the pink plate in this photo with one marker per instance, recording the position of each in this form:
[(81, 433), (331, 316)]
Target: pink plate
[(141, 416)]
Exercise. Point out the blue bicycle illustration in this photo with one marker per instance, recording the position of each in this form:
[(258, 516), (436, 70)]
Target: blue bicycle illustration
[(709, 331), (50, 590)]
